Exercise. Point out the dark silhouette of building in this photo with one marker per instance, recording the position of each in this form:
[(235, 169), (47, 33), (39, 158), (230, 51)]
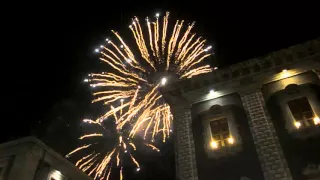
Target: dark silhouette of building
[(258, 119), (30, 159)]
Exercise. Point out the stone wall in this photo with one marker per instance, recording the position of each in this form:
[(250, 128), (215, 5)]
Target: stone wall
[(268, 148), (186, 168)]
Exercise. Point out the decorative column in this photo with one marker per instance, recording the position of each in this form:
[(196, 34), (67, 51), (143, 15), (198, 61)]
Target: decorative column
[(186, 168), (273, 163)]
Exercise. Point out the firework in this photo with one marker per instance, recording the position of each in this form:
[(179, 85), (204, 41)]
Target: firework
[(140, 68), (158, 53), (101, 164)]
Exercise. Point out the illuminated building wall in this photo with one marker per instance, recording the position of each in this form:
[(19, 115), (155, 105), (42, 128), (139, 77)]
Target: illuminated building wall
[(30, 159), (238, 122)]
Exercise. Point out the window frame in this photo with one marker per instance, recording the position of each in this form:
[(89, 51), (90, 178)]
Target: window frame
[(304, 121), (222, 141), (217, 112), (296, 91)]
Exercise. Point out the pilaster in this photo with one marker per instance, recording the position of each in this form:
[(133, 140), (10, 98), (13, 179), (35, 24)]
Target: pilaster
[(273, 163)]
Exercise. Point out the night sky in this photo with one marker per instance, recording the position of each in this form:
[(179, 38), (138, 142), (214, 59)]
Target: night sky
[(50, 51)]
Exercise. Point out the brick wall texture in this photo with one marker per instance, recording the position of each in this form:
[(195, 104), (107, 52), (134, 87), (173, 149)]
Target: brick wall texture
[(273, 163), (186, 168)]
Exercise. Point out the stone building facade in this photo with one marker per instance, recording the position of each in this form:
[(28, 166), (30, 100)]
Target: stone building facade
[(30, 159), (258, 119)]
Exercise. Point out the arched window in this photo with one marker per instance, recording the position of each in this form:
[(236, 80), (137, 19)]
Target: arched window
[(220, 130), (300, 108), (302, 112)]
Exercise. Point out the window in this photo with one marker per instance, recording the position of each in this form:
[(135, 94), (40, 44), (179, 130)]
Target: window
[(220, 133), (302, 112)]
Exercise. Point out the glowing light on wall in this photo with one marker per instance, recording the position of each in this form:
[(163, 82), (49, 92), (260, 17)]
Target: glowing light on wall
[(297, 124), (285, 73), (316, 120), (214, 144), (213, 94), (230, 140)]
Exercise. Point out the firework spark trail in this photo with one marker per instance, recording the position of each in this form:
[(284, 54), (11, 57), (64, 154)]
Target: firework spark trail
[(134, 98), (198, 61), (93, 169), (124, 146), (164, 31), (170, 45), (141, 42), (126, 57), (104, 174), (84, 158), (115, 77), (78, 149), (121, 175), (84, 169), (183, 55), (134, 160), (132, 112), (104, 163), (88, 161), (153, 147), (200, 70), (127, 49), (114, 114), (108, 174), (115, 62), (111, 112), (156, 37), (145, 50), (195, 53), (133, 146), (115, 95), (90, 135), (185, 48), (92, 122), (106, 82), (175, 39), (141, 118), (132, 62), (148, 126), (150, 37), (118, 159), (114, 54), (182, 41)]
